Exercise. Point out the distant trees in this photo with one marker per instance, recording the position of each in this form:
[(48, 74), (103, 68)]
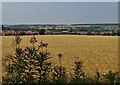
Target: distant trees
[(118, 32), (42, 31), (5, 28), (28, 30), (22, 33)]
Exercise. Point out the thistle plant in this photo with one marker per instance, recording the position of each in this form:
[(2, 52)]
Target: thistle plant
[(59, 73), (78, 73), (28, 65), (42, 65), (18, 41), (111, 77), (33, 40), (98, 76), (60, 68), (43, 46), (15, 65)]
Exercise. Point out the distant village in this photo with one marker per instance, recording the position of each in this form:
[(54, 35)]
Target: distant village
[(55, 29)]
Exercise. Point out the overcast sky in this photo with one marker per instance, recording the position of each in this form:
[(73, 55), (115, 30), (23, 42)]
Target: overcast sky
[(0, 13), (59, 0), (59, 12)]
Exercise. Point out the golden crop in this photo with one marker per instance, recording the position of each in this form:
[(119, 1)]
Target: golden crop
[(95, 51)]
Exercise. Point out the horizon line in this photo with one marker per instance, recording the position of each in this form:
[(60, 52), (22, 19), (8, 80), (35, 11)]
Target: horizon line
[(57, 23)]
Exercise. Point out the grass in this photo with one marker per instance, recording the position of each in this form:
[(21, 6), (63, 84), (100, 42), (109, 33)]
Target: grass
[(96, 51)]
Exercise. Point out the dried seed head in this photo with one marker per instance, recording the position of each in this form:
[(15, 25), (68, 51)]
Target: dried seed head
[(18, 39)]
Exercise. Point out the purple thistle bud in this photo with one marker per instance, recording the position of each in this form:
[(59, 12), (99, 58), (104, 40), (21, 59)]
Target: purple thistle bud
[(33, 39), (78, 62), (59, 55), (43, 44)]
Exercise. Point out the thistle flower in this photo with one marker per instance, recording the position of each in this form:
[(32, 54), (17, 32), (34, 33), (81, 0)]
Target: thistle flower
[(78, 62), (63, 72), (33, 39), (18, 39), (43, 44), (59, 55)]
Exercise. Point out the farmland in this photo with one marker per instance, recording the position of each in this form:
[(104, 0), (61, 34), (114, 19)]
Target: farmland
[(95, 51)]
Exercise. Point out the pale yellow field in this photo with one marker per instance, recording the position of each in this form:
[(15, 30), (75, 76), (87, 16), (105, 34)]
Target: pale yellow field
[(95, 51)]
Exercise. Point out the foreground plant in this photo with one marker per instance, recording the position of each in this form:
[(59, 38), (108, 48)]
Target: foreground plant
[(33, 40), (59, 72), (18, 41), (78, 72), (112, 77), (29, 65)]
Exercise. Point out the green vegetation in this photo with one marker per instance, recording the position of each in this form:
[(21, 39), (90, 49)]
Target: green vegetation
[(73, 29)]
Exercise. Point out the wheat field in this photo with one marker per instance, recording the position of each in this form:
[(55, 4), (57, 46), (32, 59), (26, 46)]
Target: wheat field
[(95, 51)]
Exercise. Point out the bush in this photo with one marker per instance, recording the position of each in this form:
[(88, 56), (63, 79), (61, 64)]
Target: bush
[(42, 31)]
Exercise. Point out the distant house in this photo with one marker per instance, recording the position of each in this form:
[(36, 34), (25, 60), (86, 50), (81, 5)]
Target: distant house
[(65, 31)]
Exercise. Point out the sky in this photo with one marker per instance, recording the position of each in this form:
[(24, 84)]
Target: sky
[(59, 0), (59, 12), (0, 14), (119, 12)]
